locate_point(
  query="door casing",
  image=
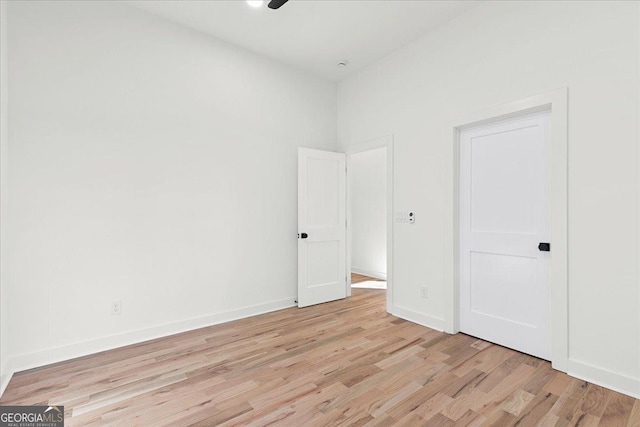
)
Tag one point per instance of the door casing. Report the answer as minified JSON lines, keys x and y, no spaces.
{"x":556,"y":102}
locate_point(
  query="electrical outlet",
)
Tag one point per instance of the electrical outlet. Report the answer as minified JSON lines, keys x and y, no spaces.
{"x":116,"y":307}
{"x":424,"y":292}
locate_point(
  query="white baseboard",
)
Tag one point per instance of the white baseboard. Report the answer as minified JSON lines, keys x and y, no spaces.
{"x":71,"y":351}
{"x":370,"y":273}
{"x":7,"y":373}
{"x":605,"y":378}
{"x":419,"y":318}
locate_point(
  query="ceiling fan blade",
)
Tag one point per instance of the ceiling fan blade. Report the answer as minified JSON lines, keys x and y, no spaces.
{"x":275,"y":4}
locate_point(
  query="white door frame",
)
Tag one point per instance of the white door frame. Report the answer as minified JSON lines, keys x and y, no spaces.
{"x":556,"y":101}
{"x":386,"y":141}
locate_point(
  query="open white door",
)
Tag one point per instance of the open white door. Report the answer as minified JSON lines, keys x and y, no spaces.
{"x":321,"y":226}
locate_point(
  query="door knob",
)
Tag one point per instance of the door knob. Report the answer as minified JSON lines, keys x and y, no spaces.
{"x":303,"y":235}
{"x":544,"y":247}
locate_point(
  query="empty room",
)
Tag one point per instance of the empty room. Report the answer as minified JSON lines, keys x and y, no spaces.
{"x":319,"y":213}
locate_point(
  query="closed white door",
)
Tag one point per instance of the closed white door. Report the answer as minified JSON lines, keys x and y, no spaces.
{"x":504,"y":233}
{"x":321,"y":226}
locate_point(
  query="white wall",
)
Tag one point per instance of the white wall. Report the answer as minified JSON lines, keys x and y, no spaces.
{"x":141,"y":153}
{"x":496,"y":53}
{"x":4,"y":190}
{"x":368,"y":199}
{"x":153,"y":165}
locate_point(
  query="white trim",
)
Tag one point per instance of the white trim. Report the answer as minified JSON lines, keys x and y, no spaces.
{"x":6,"y":378}
{"x":605,"y":378}
{"x":419,"y":318}
{"x":385,"y":141}
{"x":556,"y":100}
{"x":638,"y":199}
{"x":5,"y":372}
{"x":58,"y":354}
{"x":375,"y":274}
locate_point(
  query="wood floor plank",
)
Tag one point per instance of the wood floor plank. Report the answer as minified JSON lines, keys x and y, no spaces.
{"x":517,"y":402}
{"x":558,"y":384}
{"x":582,"y":419}
{"x":634,"y":418}
{"x":568,"y":403}
{"x":538,"y":410}
{"x":618,"y":410}
{"x":347,"y":362}
{"x":463,"y":404}
{"x":357,"y":278}
{"x":431,"y":407}
{"x":594,"y":400}
{"x":390,"y":401}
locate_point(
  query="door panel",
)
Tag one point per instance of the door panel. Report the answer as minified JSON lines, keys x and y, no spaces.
{"x":504,"y":215}
{"x":505,"y":295}
{"x":323,"y":264}
{"x":499,"y":204}
{"x":323,"y":183}
{"x":321,"y":217}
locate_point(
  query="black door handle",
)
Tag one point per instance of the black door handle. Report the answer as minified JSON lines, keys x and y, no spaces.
{"x":304,"y":235}
{"x":544,"y":247}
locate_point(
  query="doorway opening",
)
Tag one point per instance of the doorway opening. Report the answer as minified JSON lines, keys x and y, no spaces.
{"x":367,"y":218}
{"x":325,"y":224}
{"x":378,"y":152}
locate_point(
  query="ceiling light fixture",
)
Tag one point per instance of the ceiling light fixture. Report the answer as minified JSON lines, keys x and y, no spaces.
{"x":255,"y":3}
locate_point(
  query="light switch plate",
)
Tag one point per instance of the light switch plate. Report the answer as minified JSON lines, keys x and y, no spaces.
{"x":401,"y":216}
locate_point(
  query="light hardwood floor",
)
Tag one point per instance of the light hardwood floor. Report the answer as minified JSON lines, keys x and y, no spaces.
{"x":358,"y":278}
{"x":341,"y":363}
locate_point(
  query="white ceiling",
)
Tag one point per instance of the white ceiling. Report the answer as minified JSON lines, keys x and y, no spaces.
{"x":314,"y":35}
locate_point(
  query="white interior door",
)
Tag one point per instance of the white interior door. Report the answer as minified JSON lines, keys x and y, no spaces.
{"x":504,"y":217}
{"x":321,"y":226}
